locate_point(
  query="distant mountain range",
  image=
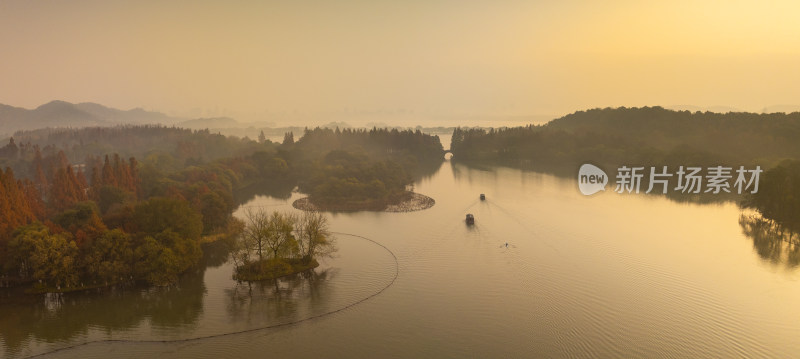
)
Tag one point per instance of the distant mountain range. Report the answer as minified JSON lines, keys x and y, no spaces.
{"x":65,"y":114}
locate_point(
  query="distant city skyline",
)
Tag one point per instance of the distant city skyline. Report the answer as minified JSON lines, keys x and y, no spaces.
{"x":425,"y":59}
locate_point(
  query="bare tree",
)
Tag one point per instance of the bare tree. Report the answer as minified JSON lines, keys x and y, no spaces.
{"x":314,"y":238}
{"x":255,"y":233}
{"x":285,"y":235}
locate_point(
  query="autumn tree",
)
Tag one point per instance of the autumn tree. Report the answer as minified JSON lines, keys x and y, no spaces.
{"x":34,"y":199}
{"x":14,"y":204}
{"x":108,"y":177}
{"x":82,"y":221}
{"x":66,"y":189}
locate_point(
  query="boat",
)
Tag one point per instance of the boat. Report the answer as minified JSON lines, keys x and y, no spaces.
{"x":470,"y":218}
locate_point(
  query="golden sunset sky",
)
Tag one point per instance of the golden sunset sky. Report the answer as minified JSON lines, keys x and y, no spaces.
{"x":498,"y":58}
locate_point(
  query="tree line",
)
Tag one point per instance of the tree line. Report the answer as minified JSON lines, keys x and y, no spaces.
{"x":637,"y":136}
{"x":111,"y":219}
{"x":76,"y":233}
{"x":172,"y":147}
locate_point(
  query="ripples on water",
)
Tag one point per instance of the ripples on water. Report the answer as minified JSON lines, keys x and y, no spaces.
{"x":603,"y":276}
{"x":209,"y":304}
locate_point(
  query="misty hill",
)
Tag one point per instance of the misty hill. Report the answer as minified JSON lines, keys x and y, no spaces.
{"x":65,"y":114}
{"x":639,"y":136}
{"x":171,"y":147}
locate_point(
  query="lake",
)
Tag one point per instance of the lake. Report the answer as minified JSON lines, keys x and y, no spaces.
{"x":609,"y":275}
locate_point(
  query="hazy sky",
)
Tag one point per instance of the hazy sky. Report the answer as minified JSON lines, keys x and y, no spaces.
{"x":443,"y":57}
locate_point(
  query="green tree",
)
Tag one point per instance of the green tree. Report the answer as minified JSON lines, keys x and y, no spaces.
{"x":48,"y":258}
{"x":778,"y":196}
{"x":156,"y":263}
{"x":188,"y":251}
{"x":288,"y":138}
{"x":158,"y":214}
{"x":214,"y":210}
{"x":109,"y":196}
{"x":110,"y":258}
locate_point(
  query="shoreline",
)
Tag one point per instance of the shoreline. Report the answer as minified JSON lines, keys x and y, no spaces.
{"x":415,"y":202}
{"x":257,"y":272}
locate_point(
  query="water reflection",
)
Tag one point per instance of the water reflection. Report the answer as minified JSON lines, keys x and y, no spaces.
{"x":277,"y":301}
{"x":610,"y":276}
{"x":172,"y":310}
{"x":276,"y":189}
{"x":216,"y":253}
{"x":477,"y":172}
{"x":426,"y":169}
{"x":771,"y":241}
{"x":64,"y":317}
{"x":282,"y":189}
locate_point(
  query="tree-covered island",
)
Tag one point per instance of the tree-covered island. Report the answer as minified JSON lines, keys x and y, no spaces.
{"x":353,"y":170}
{"x":278,"y":244}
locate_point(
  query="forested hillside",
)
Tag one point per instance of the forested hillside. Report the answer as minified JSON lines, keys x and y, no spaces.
{"x":647,"y":136}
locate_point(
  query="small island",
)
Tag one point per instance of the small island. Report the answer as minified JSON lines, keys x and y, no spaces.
{"x":278,"y":244}
{"x":359,"y":180}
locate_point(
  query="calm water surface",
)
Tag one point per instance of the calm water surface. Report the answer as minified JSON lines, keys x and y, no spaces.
{"x":603,"y":276}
